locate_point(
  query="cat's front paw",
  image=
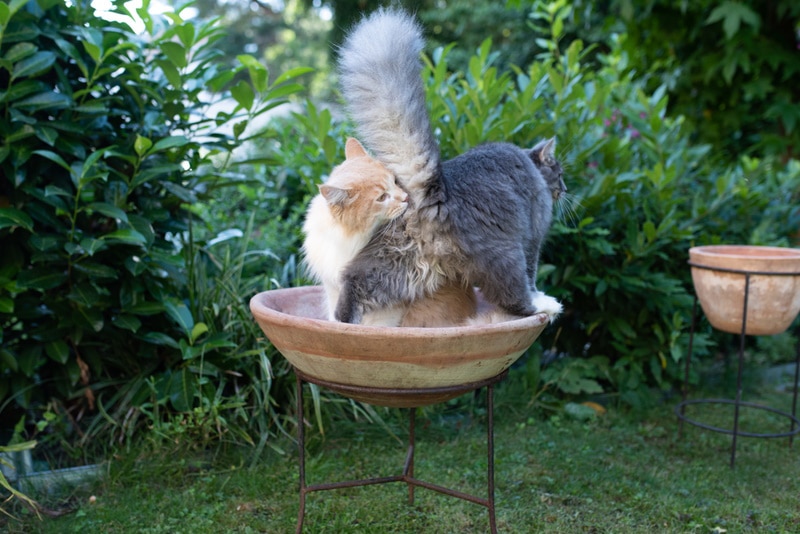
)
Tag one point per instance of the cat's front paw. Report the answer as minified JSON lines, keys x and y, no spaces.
{"x":546,"y":304}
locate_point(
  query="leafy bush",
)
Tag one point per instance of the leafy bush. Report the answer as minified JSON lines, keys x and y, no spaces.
{"x":107,"y":300}
{"x":642,"y":192}
{"x":730,"y":67}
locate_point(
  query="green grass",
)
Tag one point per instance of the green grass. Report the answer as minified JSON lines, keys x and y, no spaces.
{"x":619,"y":473}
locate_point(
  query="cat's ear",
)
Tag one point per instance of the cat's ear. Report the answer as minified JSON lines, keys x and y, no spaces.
{"x":547,"y":153}
{"x":354,"y":149}
{"x":334,"y":196}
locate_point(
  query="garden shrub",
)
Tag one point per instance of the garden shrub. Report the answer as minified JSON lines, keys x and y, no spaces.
{"x":110,"y":145}
{"x":133,"y":236}
{"x":642,"y":194}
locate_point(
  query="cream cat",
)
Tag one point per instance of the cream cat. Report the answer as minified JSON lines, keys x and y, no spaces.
{"x":359,"y":196}
{"x":358,"y":199}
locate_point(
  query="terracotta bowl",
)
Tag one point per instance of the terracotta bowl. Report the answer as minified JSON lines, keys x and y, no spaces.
{"x":773,"y":299}
{"x":385,"y":357}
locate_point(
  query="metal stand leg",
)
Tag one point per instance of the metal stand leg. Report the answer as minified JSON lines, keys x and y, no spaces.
{"x":490,"y":459}
{"x":739,"y":371}
{"x":794,"y":395}
{"x":685,"y":389}
{"x":408,"y":469}
{"x":301,"y":450}
{"x":680,"y":409}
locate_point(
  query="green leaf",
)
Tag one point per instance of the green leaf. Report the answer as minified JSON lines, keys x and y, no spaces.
{"x":186,"y":33}
{"x":46,"y":242}
{"x":159,"y":338}
{"x":26,"y":130}
{"x":6,"y":305}
{"x":92,"y":316}
{"x":146,"y":308}
{"x":46,"y":100}
{"x":109,"y":210}
{"x":127,"y":236}
{"x":180,"y":313}
{"x":10,"y":217}
{"x":581,"y":385}
{"x":19,"y":51}
{"x":92,"y":245}
{"x":153,"y":172}
{"x":8,"y":360}
{"x":292,"y":73}
{"x":41,"y":278}
{"x":58,"y":351}
{"x":55,"y":191}
{"x":95,"y":270}
{"x":249,"y":61}
{"x":169,"y":142}
{"x":92,"y":107}
{"x":180,"y":192}
{"x":198,"y":330}
{"x":127,"y":322}
{"x":732,"y":14}
{"x":175,"y":52}
{"x":171,"y":73}
{"x":142,"y":145}
{"x":92,"y":49}
{"x":144,"y":226}
{"x":23,"y":89}
{"x":84,"y":294}
{"x":284,"y":90}
{"x":48,"y":135}
{"x":34,"y":65}
{"x":239,"y":128}
{"x":182,"y":390}
{"x":649,"y":230}
{"x":243,"y":94}
{"x":52,"y":156}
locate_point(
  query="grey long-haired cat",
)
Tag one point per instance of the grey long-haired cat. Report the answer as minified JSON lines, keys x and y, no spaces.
{"x":479,"y":219}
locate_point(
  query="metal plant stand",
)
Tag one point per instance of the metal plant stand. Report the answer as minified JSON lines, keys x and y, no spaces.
{"x":407,"y":475}
{"x":680,"y":409}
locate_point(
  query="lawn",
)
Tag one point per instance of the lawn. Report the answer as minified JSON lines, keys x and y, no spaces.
{"x":618,"y":472}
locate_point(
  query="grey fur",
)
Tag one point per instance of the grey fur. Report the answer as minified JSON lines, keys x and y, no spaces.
{"x":478,"y":219}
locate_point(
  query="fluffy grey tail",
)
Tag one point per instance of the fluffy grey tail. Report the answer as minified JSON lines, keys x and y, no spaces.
{"x":379,"y":70}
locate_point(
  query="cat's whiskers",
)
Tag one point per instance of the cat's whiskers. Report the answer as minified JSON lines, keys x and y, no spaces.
{"x":567,"y":209}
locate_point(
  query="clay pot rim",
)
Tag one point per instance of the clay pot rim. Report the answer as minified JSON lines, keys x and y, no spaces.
{"x":280,"y":318}
{"x":739,"y":252}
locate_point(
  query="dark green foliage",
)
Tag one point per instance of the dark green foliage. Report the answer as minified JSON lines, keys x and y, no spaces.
{"x":132,"y":236}
{"x":107,"y":300}
{"x":732,"y":67}
{"x":642,"y":194}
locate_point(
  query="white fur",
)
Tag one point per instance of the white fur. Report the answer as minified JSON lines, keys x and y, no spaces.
{"x":328,"y":249}
{"x":543,"y":303}
{"x":546,"y":304}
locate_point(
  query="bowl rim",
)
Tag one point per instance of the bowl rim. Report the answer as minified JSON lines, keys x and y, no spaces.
{"x":730,"y":251}
{"x":280,"y":318}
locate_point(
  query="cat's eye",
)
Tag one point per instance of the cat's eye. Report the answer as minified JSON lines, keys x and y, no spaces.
{"x":383,"y":197}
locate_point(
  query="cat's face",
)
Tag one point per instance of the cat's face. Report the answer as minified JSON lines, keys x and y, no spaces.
{"x":545,"y":160}
{"x":361,"y":193}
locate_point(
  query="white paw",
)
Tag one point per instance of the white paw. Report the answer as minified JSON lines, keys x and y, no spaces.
{"x":546,"y":304}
